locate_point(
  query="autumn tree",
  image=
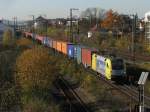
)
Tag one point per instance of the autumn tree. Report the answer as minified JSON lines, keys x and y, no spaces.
{"x":35,"y":69}
{"x":111,"y":20}
{"x":8,"y":38}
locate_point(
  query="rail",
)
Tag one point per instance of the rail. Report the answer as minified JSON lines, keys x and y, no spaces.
{"x":76,"y":102}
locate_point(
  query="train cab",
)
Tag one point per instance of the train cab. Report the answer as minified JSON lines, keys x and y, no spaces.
{"x":115,"y":68}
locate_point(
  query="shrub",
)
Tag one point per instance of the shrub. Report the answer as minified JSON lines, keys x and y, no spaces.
{"x":10,"y":97}
{"x":122,"y":44}
{"x":23,"y":42}
{"x":148,"y":86}
{"x":37,"y":105}
{"x":36,"y":69}
{"x":8,"y":38}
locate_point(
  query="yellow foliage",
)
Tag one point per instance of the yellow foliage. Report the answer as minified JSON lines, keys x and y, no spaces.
{"x":87,"y":82}
{"x":122,"y":44}
{"x":111,"y":19}
{"x":8,"y":38}
{"x":35,"y":69}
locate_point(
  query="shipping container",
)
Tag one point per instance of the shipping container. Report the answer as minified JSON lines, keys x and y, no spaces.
{"x":79,"y":59}
{"x":59,"y":46}
{"x":28,"y":34}
{"x":70,"y":50}
{"x":46,"y":41}
{"x":94,"y":59}
{"x":50,"y":43}
{"x":100,"y":65}
{"x":86,"y":56}
{"x":64,"y":47}
{"x":39,"y":38}
{"x":75,"y":51}
{"x":54,"y":44}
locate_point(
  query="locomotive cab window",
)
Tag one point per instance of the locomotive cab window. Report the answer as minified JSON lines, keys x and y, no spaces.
{"x":117,"y":64}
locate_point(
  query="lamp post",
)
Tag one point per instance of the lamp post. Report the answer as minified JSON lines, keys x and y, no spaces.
{"x":71,"y":25}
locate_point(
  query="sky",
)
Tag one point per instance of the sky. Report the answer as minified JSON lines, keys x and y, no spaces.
{"x":60,"y":8}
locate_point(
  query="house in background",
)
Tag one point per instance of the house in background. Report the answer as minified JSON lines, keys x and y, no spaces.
{"x":147,"y":25}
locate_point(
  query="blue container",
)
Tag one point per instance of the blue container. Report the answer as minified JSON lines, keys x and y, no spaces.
{"x":75,"y":51}
{"x":79,"y":57}
{"x":70,"y":50}
{"x":45,"y":41}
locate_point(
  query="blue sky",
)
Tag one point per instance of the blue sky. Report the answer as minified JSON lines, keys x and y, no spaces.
{"x":60,"y":8}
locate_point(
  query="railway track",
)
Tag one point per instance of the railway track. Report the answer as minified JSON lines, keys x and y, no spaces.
{"x":127,"y":90}
{"x":74,"y":98}
{"x":76,"y":103}
{"x":135,"y":57}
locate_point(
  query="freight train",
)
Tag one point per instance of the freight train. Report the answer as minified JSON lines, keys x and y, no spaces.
{"x":110,"y":67}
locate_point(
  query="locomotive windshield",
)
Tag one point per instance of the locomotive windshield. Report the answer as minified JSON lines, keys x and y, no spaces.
{"x":117,"y":64}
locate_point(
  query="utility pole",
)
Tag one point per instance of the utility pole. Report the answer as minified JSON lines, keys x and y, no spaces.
{"x":71,"y":30}
{"x":46,"y":20}
{"x":71,"y":25}
{"x":134,"y":21}
{"x":33,"y":20}
{"x":96,"y":19}
{"x":46,"y":27}
{"x":90,"y":21}
{"x":15,"y":24}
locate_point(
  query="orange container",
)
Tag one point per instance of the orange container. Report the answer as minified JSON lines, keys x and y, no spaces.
{"x":64,"y":48}
{"x":59,"y":46}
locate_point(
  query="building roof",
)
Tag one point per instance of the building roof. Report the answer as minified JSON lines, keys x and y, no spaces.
{"x":40,"y":18}
{"x":147,"y":17}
